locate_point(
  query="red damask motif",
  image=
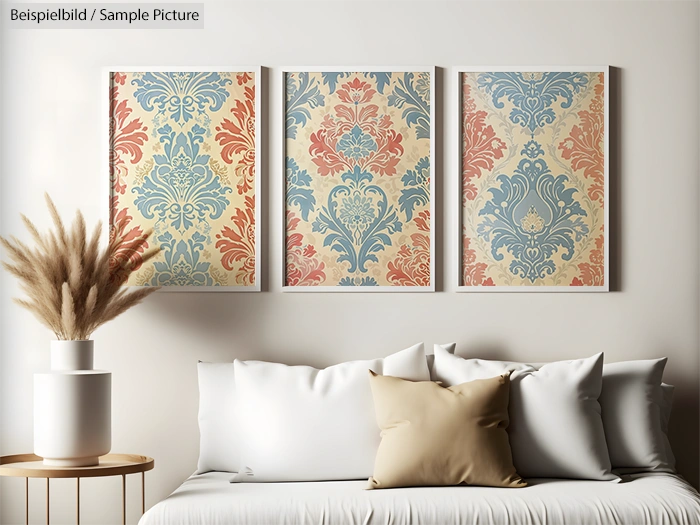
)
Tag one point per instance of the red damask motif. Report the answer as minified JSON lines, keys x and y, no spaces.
{"x":472,"y":271}
{"x":422,"y":220}
{"x":239,"y":138}
{"x":600,"y":86}
{"x":480,"y":145}
{"x":303,"y":267}
{"x":593,"y":272}
{"x":126,"y":244}
{"x":412,"y":264}
{"x":584,"y":145}
{"x":385,"y":149}
{"x":243,"y":78}
{"x":356,"y":92}
{"x":238,"y":243}
{"x":126,"y":138}
{"x":119,"y":78}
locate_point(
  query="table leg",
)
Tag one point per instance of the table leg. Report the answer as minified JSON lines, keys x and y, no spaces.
{"x":26,"y":500}
{"x":77,"y":501}
{"x":47,"y":502}
{"x":143,"y":493}
{"x":123,"y":499}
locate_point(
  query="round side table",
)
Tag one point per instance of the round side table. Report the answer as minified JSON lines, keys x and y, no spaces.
{"x":31,"y":466}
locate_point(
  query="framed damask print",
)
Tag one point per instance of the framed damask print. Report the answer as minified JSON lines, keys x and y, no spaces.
{"x":359,"y":185}
{"x":184,"y":161}
{"x":533,"y":185}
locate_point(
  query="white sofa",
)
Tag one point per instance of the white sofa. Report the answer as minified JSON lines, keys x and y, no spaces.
{"x":214,"y":497}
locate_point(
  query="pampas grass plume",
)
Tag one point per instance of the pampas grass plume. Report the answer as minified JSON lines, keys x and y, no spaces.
{"x":68,"y":281}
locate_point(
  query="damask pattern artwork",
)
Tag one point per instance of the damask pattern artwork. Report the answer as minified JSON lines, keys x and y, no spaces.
{"x":183,"y":162}
{"x":358,"y":194}
{"x":533,"y":181}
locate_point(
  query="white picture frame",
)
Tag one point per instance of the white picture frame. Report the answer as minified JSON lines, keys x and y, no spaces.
{"x":259,"y":87}
{"x":458,"y":184}
{"x":284,"y":71}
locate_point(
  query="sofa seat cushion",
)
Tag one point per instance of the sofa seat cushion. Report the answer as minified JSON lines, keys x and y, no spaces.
{"x":650,"y":498}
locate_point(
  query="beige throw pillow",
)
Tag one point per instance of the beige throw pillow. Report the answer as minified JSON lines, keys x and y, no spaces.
{"x":433,"y":435}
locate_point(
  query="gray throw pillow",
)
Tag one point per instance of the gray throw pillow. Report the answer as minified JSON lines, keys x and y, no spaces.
{"x":635,"y":409}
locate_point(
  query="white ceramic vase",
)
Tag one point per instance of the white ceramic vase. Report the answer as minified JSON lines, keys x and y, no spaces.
{"x":72,"y":407}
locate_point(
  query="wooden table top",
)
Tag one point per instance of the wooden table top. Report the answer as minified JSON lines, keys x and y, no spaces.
{"x":32,"y":466}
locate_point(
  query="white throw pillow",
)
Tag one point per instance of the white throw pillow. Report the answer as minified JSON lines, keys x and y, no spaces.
{"x":555,"y":430}
{"x":218,"y":447}
{"x":633,"y":404}
{"x":298,"y":423}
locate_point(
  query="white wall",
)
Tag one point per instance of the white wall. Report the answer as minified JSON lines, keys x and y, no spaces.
{"x":51,"y":128}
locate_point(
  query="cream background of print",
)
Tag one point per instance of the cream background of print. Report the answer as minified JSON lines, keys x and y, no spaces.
{"x":547,"y":138}
{"x":414,"y":148}
{"x":227,"y":181}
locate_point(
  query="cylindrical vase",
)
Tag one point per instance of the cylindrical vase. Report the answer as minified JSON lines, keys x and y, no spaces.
{"x":72,"y":407}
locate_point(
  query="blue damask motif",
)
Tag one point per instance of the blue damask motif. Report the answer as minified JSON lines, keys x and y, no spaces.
{"x":358,"y":281}
{"x":359,"y":228}
{"x":331,"y":79}
{"x":182,"y":266}
{"x":181,"y":188}
{"x":413,"y":96}
{"x":382,"y":79}
{"x":533,"y":215}
{"x":181,"y":94}
{"x":356,"y":213}
{"x":416,"y":190}
{"x":299,"y":189}
{"x":304,"y":92}
{"x":532,"y":149}
{"x":532,"y":94}
{"x":356,"y":144}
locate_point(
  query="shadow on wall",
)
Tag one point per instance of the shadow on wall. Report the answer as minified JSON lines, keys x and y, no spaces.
{"x":264,"y":197}
{"x":684,"y":432}
{"x":438,"y":156}
{"x":614,"y":203}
